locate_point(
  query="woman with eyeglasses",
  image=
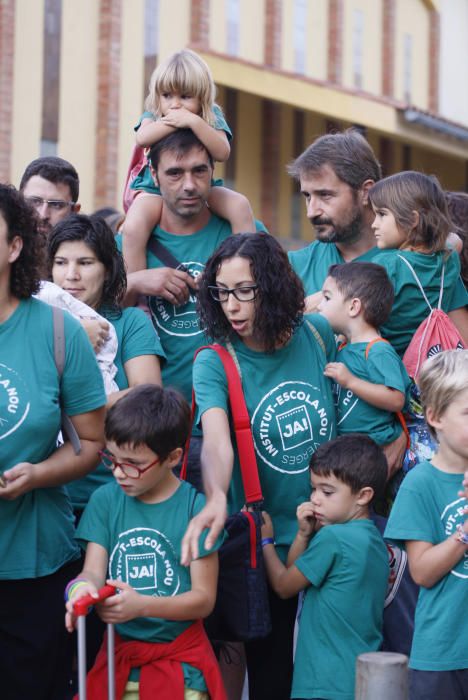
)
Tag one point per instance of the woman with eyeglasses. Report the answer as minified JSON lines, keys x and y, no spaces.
{"x":84,"y":260}
{"x":38,"y":553}
{"x":251,"y":301}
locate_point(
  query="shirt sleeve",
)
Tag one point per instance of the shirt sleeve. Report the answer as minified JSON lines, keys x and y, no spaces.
{"x":325,"y":332}
{"x":411,"y":517}
{"x":320,"y":557}
{"x":385,"y":367}
{"x":94,"y":523}
{"x":82,"y":388}
{"x":140,"y":337}
{"x":209,"y":383}
{"x":145,"y":115}
{"x":220,"y":122}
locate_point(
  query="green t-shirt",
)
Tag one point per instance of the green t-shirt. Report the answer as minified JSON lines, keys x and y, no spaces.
{"x":383,"y":366}
{"x":428,"y":509}
{"x":290,"y":405}
{"x":143,"y":541}
{"x":311,"y":263}
{"x":342,"y":615}
{"x":136,"y":336}
{"x":144,"y":180}
{"x":37,"y":532}
{"x":409,"y":308}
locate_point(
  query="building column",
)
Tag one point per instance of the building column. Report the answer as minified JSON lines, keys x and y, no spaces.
{"x":7,"y":41}
{"x":335,"y":40}
{"x":434,"y":50}
{"x":108,"y":87}
{"x":200,"y":23}
{"x":270,"y":154}
{"x":388,"y":47}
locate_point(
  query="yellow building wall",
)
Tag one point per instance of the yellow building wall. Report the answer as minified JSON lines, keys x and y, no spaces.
{"x":412,"y":18}
{"x":450,"y":172}
{"x":26,"y":124}
{"x":252,"y":30}
{"x":174,"y":22}
{"x":371,"y":44}
{"x":78,"y":89}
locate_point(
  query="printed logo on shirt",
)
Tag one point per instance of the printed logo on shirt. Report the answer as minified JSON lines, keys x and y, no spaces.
{"x":345,"y":402}
{"x":453,"y":515}
{"x":145,"y":559}
{"x":14,"y":401}
{"x":288,"y":425}
{"x":178,"y":320}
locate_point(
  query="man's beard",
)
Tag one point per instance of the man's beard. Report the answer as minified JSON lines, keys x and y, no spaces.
{"x":350,"y":233}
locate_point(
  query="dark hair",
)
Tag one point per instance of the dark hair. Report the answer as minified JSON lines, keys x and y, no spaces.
{"x":280,"y":300}
{"x":410,"y":191}
{"x":457,"y":203}
{"x":180,"y":142}
{"x":152,"y":416}
{"x":370,"y":284}
{"x":56,"y":170}
{"x":355,"y":459}
{"x":93,"y":231}
{"x":20,"y":219}
{"x":348,"y":154}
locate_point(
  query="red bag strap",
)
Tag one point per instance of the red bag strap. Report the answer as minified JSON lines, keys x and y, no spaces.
{"x":242,"y":429}
{"x":399,"y":414}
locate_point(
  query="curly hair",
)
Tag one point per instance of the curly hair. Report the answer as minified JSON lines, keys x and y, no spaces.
{"x":21,"y":221}
{"x":97,"y":235}
{"x":279,"y":305}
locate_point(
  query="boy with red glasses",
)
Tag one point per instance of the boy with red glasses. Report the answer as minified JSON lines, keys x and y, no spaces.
{"x":132,"y":529}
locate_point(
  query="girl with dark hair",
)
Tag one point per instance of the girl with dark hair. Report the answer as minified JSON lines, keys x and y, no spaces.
{"x":38,"y":553}
{"x":83,"y":259}
{"x":251,"y":300}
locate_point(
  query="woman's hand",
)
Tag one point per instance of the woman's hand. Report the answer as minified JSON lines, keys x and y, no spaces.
{"x":17,"y":481}
{"x":212,"y":516}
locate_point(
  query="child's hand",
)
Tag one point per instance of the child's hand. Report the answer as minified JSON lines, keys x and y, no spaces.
{"x":123,"y":606}
{"x":85,"y":589}
{"x":179,"y":118}
{"x":306,"y":519}
{"x":339,"y":373}
{"x":267,"y":527}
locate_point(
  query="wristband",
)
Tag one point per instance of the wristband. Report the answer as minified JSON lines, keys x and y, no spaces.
{"x":461,"y":535}
{"x":267,"y":540}
{"x":72,"y":586}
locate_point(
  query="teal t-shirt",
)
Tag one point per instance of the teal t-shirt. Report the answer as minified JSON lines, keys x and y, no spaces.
{"x":290,"y":405}
{"x":37,"y":531}
{"x":409,"y":307}
{"x":342,"y":615}
{"x":144,"y":180}
{"x":383,"y":366}
{"x":136,"y":336}
{"x":311,"y":263}
{"x":143,"y":541}
{"x":428,"y":509}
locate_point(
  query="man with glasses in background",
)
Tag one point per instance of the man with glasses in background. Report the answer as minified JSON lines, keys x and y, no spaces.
{"x":51,"y":185}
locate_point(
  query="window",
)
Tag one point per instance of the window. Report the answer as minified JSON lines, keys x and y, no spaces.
{"x":299,"y":42}
{"x":407,"y":67}
{"x":358,"y":40}
{"x":232,"y":13}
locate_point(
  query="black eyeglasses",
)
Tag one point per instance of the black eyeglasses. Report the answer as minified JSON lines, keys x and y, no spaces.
{"x":130,"y":470}
{"x":54,"y":204}
{"x":221,"y":294}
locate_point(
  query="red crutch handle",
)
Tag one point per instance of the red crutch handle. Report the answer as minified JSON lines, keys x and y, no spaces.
{"x":82,"y":605}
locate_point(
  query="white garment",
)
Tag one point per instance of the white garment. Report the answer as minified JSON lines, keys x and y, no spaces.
{"x":52,"y":294}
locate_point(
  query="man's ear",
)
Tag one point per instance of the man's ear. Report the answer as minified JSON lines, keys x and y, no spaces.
{"x":154,"y":175}
{"x":364,"y":190}
{"x":76,"y":208}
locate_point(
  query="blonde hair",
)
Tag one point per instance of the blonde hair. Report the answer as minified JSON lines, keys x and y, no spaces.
{"x":441,"y":379}
{"x":183,"y":72}
{"x":409,"y":192}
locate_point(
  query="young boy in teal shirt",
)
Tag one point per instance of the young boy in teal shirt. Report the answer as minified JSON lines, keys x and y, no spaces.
{"x":370,"y":378}
{"x":339,"y":558}
{"x":132,"y":529}
{"x":429,"y":518}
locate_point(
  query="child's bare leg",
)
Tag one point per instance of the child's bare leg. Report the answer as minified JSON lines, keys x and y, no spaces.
{"x":142,"y":217}
{"x":233,"y":667}
{"x":234,"y":207}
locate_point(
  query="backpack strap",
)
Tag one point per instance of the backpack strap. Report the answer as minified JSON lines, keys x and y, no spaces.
{"x":317,"y":336}
{"x":164,"y":255}
{"x":418,"y":282}
{"x":59,"y":359}
{"x":241,"y":419}
{"x":399,"y":414}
